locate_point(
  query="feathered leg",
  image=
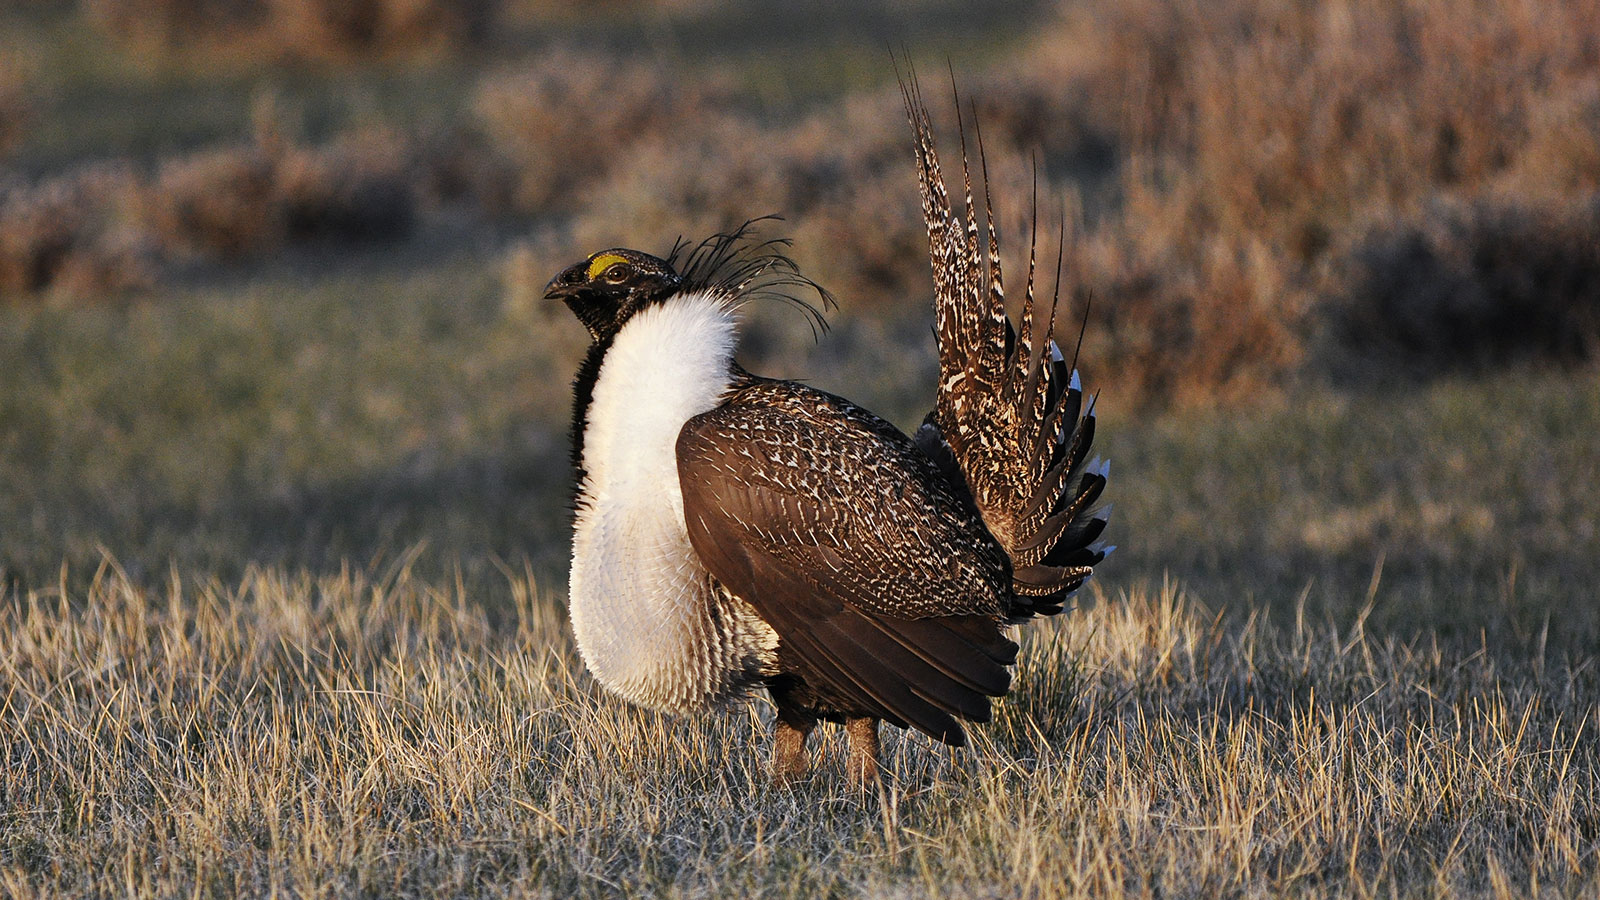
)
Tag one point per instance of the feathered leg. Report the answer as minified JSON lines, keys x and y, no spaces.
{"x":861,"y":767}
{"x":789,"y":759}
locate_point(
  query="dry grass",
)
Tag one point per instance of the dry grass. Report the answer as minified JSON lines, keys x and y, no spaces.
{"x":1255,"y":189}
{"x":371,"y":734}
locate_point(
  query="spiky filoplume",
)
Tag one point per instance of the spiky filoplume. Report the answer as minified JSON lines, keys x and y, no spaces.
{"x":736,"y":532}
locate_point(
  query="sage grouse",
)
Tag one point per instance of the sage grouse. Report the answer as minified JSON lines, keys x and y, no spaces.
{"x":734,"y":532}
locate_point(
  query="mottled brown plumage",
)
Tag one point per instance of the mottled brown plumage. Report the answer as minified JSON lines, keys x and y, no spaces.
{"x":1006,"y":410}
{"x":858,"y":574}
{"x":881,"y":581}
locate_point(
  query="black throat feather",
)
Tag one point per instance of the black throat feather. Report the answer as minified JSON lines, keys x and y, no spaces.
{"x":582,"y":398}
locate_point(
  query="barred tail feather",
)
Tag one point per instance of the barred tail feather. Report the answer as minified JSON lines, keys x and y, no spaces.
{"x":1009,"y":419}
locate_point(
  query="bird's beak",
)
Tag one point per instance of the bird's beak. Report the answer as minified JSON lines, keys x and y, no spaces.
{"x":566,"y":283}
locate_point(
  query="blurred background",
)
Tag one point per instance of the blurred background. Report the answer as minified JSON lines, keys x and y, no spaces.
{"x":270,"y":272}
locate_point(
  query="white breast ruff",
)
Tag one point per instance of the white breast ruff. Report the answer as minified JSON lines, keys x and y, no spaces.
{"x":647,"y":620}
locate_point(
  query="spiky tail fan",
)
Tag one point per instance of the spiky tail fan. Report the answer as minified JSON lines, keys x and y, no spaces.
{"x":1009,"y":416}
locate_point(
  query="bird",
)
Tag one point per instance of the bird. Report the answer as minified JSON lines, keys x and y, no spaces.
{"x":735,"y":534}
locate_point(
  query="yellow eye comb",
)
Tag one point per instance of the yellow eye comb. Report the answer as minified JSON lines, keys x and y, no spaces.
{"x":602,"y":262}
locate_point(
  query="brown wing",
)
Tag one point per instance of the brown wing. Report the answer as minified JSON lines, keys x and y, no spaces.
{"x":882,"y":583}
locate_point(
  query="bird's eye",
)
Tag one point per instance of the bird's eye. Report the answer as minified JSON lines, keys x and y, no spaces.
{"x":617,"y":273}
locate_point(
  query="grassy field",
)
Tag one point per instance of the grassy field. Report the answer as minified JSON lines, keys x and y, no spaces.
{"x":372,"y":734}
{"x":283,"y":507}
{"x":1346,"y":647}
{"x":212,"y":431}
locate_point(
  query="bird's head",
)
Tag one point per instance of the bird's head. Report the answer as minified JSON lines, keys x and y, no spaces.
{"x":609,"y":287}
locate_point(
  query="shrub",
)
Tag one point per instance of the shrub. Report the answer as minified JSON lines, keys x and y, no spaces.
{"x":344,"y":29}
{"x":563,"y":120}
{"x":252,"y":199}
{"x":304,"y":29}
{"x":99,"y":229}
{"x":1224,"y":154}
{"x":842,"y":181}
{"x":1469,"y":284}
{"x":1248,"y":140}
{"x":357,"y":188}
{"x":1181,"y":325}
{"x":224,"y":202}
{"x":1562,"y":153}
{"x":547,"y":12}
{"x":455,"y":166}
{"x":167,"y":26}
{"x":71,"y":234}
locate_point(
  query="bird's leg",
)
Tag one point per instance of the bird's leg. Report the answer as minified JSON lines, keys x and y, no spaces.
{"x":861,"y":767}
{"x":789,"y":760}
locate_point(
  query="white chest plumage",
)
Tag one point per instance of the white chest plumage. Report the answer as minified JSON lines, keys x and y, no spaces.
{"x":648,"y":621}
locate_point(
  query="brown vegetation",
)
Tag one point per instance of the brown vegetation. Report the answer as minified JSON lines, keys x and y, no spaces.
{"x":1239,"y":171}
{"x":1465,"y":285}
{"x":840,"y":179}
{"x":1261,"y":141}
{"x":1256,"y":189}
{"x":565,"y":119}
{"x":296,"y":29}
{"x":16,"y":108}
{"x":172,"y":25}
{"x":252,"y":199}
{"x":222,"y":201}
{"x":102,"y":229}
{"x":341,"y":29}
{"x":372,"y":733}
{"x":70,"y":234}
{"x":1390,"y":694}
